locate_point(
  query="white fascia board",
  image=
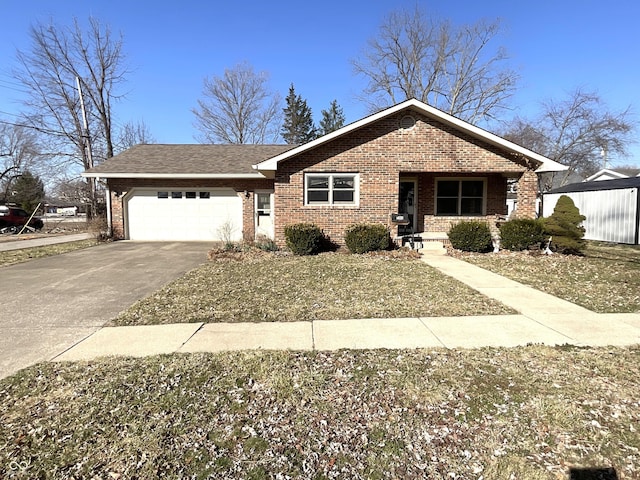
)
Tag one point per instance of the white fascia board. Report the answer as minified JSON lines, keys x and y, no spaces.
{"x":187,"y":176}
{"x":604,"y":171}
{"x":548,"y":165}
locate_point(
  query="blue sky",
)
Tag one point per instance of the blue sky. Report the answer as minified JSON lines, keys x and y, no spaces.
{"x":171,"y":46}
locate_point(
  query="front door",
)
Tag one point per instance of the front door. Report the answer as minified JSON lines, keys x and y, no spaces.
{"x":407,"y":203}
{"x":264,"y":214}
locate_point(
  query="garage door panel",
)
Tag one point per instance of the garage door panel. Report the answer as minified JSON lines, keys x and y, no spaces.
{"x":153,"y":218}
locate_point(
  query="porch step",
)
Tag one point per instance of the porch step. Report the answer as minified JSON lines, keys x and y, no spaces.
{"x":433,"y":247}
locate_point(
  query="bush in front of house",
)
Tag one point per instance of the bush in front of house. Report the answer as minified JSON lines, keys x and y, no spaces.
{"x":367,"y":237}
{"x":470,"y":236}
{"x":303,"y":238}
{"x":564,"y":226}
{"x":521,"y":234}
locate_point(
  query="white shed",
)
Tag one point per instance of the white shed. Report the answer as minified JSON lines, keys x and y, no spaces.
{"x":612,"y":208}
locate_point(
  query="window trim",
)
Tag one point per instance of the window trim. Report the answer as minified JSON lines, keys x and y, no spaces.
{"x":460,"y":197}
{"x":330,"y":190}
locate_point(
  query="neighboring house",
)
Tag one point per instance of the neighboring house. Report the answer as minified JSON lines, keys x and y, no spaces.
{"x":613,"y":174}
{"x":410,"y":158}
{"x":611,"y":208}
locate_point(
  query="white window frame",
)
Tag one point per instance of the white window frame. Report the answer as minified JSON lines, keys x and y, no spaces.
{"x":330,"y":190}
{"x":459,"y":205}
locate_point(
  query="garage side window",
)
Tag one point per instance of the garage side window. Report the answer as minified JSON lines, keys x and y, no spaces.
{"x":331,"y":189}
{"x":460,"y":197}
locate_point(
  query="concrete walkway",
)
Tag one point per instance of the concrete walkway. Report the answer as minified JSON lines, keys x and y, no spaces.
{"x":541,"y":319}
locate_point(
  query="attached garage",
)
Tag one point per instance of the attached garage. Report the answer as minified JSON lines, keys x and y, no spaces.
{"x":172,"y":213}
{"x":158,"y":192}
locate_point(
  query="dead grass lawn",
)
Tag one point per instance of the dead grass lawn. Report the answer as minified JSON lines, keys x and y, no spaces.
{"x":272,"y":288}
{"x":526,"y":413}
{"x":25,"y":254}
{"x":605,"y":280}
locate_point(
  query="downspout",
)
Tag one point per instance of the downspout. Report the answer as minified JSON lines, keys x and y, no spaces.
{"x":637,"y":239}
{"x":107,"y":199}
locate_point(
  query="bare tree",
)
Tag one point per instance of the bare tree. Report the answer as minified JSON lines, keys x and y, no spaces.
{"x":134,"y":133}
{"x":579,"y":132}
{"x":449,"y":67}
{"x":19,"y":152}
{"x":238,"y":108}
{"x":59,"y":57}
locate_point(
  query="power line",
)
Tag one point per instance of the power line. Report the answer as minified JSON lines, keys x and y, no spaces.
{"x":38,"y":129}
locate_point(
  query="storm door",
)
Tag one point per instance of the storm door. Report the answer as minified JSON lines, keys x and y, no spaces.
{"x":408,"y":203}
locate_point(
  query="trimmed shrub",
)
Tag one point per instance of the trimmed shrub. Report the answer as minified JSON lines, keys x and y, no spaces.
{"x":367,"y":237}
{"x":266,"y":244}
{"x":303,"y":238}
{"x":564,"y":227}
{"x":471,"y":236}
{"x":521,"y":234}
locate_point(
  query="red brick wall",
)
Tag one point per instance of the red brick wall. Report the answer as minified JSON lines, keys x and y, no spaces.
{"x":527,"y":194}
{"x":381,"y":153}
{"x":122,"y":186}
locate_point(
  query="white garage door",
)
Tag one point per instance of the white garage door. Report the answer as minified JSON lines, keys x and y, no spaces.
{"x":181,"y":214}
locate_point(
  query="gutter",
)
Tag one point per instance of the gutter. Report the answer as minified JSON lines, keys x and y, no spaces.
{"x":173,"y":176}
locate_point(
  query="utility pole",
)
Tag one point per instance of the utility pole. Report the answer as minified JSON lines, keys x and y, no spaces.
{"x":87,"y":152}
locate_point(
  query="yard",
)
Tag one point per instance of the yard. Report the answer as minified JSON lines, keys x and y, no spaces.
{"x":11,"y":257}
{"x":532,"y":412}
{"x":270,"y":288}
{"x":605,"y":280}
{"x":527,"y":413}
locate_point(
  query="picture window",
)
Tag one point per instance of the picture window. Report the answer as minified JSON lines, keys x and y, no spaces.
{"x":460,"y":197}
{"x":331,"y":189}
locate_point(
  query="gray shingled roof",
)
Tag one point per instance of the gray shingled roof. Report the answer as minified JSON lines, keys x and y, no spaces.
{"x":158,"y":159}
{"x":632,"y":182}
{"x":629,"y":172}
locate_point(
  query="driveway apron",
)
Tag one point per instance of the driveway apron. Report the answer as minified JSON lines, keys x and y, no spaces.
{"x":50,"y":304}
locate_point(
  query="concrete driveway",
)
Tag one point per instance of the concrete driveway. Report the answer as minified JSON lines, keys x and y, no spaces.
{"x":48,"y":305}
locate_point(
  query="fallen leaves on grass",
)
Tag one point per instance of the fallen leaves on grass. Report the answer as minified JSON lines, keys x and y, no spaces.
{"x":526,"y":413}
{"x":274,"y":288}
{"x":11,"y":257}
{"x":605,"y":280}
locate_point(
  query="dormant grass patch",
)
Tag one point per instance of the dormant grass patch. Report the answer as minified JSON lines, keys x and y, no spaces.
{"x":25,"y":254}
{"x":606,"y":279}
{"x":276,"y":288}
{"x":528,"y":413}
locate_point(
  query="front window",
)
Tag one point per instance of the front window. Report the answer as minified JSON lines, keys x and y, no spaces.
{"x":460,"y":197}
{"x":331,"y":189}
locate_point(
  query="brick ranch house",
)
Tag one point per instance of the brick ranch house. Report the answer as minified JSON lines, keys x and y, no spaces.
{"x":410,"y":158}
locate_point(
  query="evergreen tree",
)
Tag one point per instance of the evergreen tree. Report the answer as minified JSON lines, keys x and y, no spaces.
{"x":298,"y":123}
{"x":332,"y":119}
{"x":565,"y":227}
{"x":27,"y":191}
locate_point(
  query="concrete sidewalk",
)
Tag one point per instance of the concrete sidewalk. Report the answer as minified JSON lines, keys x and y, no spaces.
{"x":541,"y":319}
{"x":19,"y":244}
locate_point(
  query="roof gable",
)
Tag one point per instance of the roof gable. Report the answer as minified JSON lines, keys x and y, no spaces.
{"x":613,"y":173}
{"x":545,"y":164}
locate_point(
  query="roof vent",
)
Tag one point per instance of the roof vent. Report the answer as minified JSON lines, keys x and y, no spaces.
{"x":407,"y":122}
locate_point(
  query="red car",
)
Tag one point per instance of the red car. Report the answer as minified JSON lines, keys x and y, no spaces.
{"x":12,"y":218}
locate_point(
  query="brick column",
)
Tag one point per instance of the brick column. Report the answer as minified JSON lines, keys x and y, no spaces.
{"x":527,"y":195}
